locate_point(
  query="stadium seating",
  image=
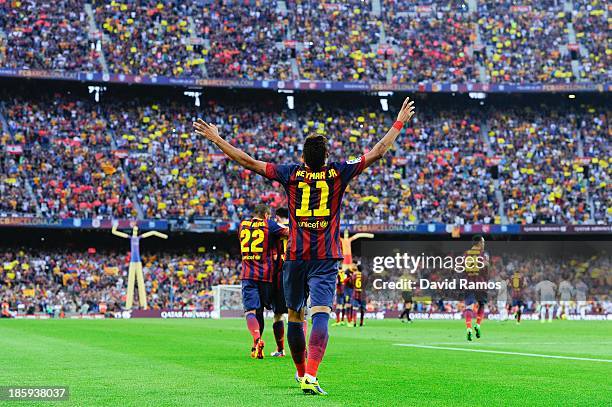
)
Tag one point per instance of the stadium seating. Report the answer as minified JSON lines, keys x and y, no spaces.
{"x":401,"y":42}
{"x":67,"y":162}
{"x":430,"y":47}
{"x":76,"y":282}
{"x":126,"y":157}
{"x":48,"y":36}
{"x":52,"y":281}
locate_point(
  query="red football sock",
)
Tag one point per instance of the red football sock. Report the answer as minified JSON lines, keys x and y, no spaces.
{"x":253,"y":326}
{"x":317,"y":343}
{"x":480,"y":315}
{"x":468,"y":318}
{"x":337,"y":315}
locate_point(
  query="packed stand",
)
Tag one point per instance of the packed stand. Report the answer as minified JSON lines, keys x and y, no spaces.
{"x":91,"y":161}
{"x":338,"y":41}
{"x":14,"y":198}
{"x":47,"y":35}
{"x":592,"y":27}
{"x":65,"y":281}
{"x":178,"y":174}
{"x":524,"y":45}
{"x":246,"y":40}
{"x":59,"y":282}
{"x":149,"y":38}
{"x":408,"y":42}
{"x":67,"y":159}
{"x":444,"y":147}
{"x":541,"y":179}
{"x":595,"y":131}
{"x":432,"y":46}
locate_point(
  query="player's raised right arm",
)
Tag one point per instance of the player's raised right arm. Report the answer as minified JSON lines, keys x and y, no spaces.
{"x":211,"y":132}
{"x":383,"y":145}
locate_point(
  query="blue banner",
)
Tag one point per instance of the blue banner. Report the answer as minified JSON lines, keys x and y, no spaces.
{"x":210,"y":225}
{"x":75,"y":223}
{"x":306,"y":85}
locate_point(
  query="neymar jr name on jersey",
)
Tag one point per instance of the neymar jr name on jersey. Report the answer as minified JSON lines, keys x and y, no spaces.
{"x":316,"y":176}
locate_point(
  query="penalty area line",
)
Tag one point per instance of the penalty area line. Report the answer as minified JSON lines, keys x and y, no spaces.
{"x":500,"y":352}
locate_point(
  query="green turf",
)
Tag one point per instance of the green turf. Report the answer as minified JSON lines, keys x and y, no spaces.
{"x":206,"y":363}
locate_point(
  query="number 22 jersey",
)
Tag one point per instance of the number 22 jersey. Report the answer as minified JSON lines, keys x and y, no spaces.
{"x":314,"y":200}
{"x":258,"y":241}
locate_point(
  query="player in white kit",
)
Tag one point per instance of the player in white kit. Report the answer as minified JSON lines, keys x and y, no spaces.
{"x":502,"y":298}
{"x":566,"y":291}
{"x":547,"y":293}
{"x":581,"y":291}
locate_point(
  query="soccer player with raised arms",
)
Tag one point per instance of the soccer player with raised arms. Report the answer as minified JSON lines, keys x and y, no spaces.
{"x":314,"y":191}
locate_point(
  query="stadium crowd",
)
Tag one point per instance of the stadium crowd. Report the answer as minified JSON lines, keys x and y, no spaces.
{"x":403,"y":42}
{"x":122,"y":159}
{"x":339,"y":41}
{"x":91,"y":282}
{"x":67,"y":162}
{"x":430,"y":47}
{"x":524,"y":46}
{"x":44,"y":35}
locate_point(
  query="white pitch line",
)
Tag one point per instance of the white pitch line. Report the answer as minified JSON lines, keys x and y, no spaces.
{"x":501,"y":352}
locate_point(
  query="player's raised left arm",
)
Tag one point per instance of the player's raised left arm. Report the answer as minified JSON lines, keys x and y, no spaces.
{"x":154,"y":233}
{"x":383,"y":145}
{"x":211,"y":132}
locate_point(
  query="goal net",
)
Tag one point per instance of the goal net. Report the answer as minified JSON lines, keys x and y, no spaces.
{"x":227,"y":301}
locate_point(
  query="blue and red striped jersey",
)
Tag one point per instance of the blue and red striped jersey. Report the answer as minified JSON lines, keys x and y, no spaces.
{"x":258,"y":242}
{"x":314,"y":200}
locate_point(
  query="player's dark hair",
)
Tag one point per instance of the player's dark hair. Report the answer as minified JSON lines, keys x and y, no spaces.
{"x":315,"y":151}
{"x":261,"y":211}
{"x":282,"y":212}
{"x":477,"y":238}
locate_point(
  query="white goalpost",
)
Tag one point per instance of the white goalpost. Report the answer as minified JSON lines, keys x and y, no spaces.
{"x":227,"y":301}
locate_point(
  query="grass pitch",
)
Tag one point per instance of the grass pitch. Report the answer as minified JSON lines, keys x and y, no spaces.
{"x":206,"y":363}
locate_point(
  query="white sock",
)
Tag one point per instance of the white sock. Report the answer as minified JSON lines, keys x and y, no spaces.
{"x":550,"y":314}
{"x":310,"y":378}
{"x":542,"y":313}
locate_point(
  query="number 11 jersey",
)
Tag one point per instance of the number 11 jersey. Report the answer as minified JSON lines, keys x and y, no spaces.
{"x":314,"y":200}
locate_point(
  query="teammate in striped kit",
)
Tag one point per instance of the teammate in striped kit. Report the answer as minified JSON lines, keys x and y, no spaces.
{"x":358,"y":300}
{"x":476,"y":270}
{"x":314,"y":190}
{"x":279,"y":306}
{"x":258,"y":242}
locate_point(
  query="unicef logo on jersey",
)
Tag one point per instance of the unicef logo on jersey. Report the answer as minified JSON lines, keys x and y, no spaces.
{"x":318,"y":224}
